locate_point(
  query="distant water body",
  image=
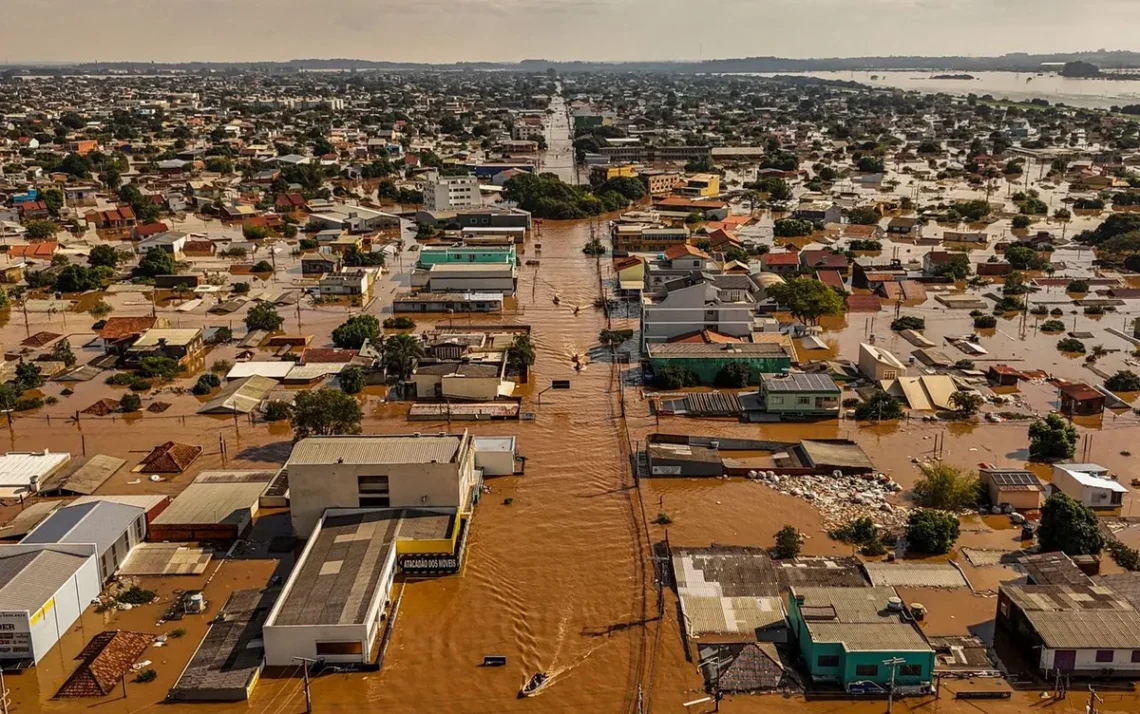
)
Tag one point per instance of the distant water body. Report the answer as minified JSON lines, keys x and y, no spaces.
{"x":1015,"y":86}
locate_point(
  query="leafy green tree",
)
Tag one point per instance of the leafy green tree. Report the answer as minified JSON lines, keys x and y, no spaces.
{"x":76,"y":166}
{"x":871,"y":165}
{"x":521,"y":354}
{"x":958,"y":267}
{"x":159,"y":367}
{"x":1077,"y":286}
{"x":931,"y":532}
{"x":864,"y":216}
{"x":156,"y":262}
{"x":1117,"y":224}
{"x":355,"y":258}
{"x":262,"y":266}
{"x":1052,"y":326}
{"x":130,"y":403}
{"x":354,"y":332}
{"x":53,"y":197}
{"x":277,"y":410}
{"x":807,"y":299}
{"x":908,"y":322}
{"x":675,"y":377}
{"x":788,"y":541}
{"x":946,"y":488}
{"x":220,"y":165}
{"x":401,"y":354}
{"x":1024,"y":258}
{"x":777,"y":189}
{"x":325,"y":412}
{"x":1123,"y":381}
{"x":1068,"y":526}
{"x":103,"y":254}
{"x":971,"y":211}
{"x":630,"y":188}
{"x":28,"y":376}
{"x":985,"y":322}
{"x":9,"y":395}
{"x":263,"y":316}
{"x":1071,"y":345}
{"x":733,"y":375}
{"x":793,"y":228}
{"x":76,"y":279}
{"x":614,"y":338}
{"x":1052,"y":438}
{"x":351,"y":380}
{"x":1022,"y":221}
{"x":880,"y":406}
{"x":860,"y":531}
{"x":61,"y":352}
{"x":40,"y":230}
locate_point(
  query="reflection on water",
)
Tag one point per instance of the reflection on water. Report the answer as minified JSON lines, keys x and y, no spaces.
{"x":1016,"y":86}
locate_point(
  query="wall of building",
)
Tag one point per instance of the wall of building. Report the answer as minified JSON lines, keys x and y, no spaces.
{"x":1086,"y":661}
{"x":47,"y":625}
{"x":482,"y":389}
{"x":444,"y":284}
{"x":707,"y":369}
{"x":315,"y":488}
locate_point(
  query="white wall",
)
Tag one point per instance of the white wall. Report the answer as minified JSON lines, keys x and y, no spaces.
{"x":1086,"y":661}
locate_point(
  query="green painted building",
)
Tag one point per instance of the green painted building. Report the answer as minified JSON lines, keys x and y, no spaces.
{"x":443,"y":254}
{"x":847,"y":634}
{"x":707,"y":360}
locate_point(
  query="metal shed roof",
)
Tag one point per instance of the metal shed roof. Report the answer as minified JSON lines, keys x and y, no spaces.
{"x":98,"y":522}
{"x":30,"y":579}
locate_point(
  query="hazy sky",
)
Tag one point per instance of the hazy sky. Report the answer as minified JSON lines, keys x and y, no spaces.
{"x":452,"y":30}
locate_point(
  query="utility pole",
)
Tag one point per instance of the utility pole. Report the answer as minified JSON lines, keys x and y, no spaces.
{"x":3,"y":693}
{"x":305,"y":670}
{"x":893,"y":663}
{"x":1089,"y":709}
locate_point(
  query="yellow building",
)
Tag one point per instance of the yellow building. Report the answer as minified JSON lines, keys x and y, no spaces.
{"x":701,"y":185}
{"x":601,"y":174}
{"x":631,"y":273}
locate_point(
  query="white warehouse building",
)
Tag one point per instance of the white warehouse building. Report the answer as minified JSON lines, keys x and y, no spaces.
{"x":335,"y":599}
{"x":43,"y":591}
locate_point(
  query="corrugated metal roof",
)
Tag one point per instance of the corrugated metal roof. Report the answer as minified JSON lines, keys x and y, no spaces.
{"x":272,"y":370}
{"x":31,"y":581}
{"x":376,"y":450}
{"x":240,"y":396}
{"x":98,"y":522}
{"x":1088,"y":629}
{"x":924,"y":575}
{"x":210,"y":503}
{"x":867,"y":637}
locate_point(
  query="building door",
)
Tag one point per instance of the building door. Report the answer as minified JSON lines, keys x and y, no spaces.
{"x":1065,"y":660}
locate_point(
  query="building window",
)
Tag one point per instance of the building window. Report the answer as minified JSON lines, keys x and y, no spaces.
{"x":827,"y":661}
{"x":340,"y":648}
{"x":866,"y":670}
{"x":1135,"y":656}
{"x":1104,"y":655}
{"x":910,"y":670}
{"x":803,"y":401}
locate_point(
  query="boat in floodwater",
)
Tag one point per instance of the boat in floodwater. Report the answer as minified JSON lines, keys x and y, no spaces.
{"x":534,"y":685}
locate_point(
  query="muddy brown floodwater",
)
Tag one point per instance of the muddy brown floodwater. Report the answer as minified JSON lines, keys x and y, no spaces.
{"x":559,"y":580}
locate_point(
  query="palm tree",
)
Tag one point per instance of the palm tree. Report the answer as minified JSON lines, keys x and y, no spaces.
{"x":966,"y":403}
{"x":401,"y":353}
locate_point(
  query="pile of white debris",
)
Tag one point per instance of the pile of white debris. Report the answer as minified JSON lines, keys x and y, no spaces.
{"x":841,"y":499}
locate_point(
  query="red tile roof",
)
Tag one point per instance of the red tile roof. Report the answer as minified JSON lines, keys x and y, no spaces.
{"x":830,"y":278}
{"x":780,"y":259}
{"x":679,"y":251}
{"x":705,"y":337}
{"x":171,"y":457}
{"x":864,"y":303}
{"x":106,"y":659}
{"x":116,"y":328}
{"x":151,"y":229}
{"x":42,"y":249}
{"x":327,"y":356}
{"x":1080,"y":392}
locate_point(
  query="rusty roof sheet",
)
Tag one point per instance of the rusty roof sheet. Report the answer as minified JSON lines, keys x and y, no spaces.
{"x":105,"y":660}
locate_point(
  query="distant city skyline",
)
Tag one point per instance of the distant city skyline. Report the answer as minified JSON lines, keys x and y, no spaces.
{"x":443,"y":31}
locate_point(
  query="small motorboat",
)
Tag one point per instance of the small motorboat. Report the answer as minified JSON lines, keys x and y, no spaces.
{"x":534,"y":685}
{"x":557,"y":300}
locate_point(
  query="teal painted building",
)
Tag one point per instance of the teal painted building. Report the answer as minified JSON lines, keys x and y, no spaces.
{"x":443,"y":254}
{"x":707,"y":360}
{"x":846,"y":634}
